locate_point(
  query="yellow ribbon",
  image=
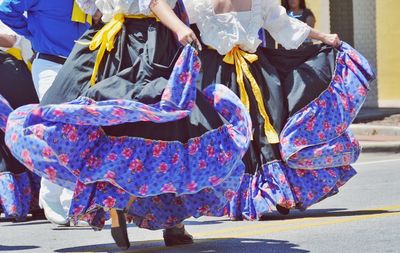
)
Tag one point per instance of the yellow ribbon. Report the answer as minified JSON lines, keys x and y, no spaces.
{"x":104,"y":39}
{"x":18,"y":55}
{"x":238,"y":58}
{"x":79,"y":16}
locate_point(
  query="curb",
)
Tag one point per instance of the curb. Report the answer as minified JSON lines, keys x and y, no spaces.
{"x":375,"y":130}
{"x":380,"y":147}
{"x":373,"y":114}
{"x":377,"y":138}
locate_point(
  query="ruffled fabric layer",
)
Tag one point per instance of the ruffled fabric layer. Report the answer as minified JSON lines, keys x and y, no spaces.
{"x":317,"y":147}
{"x":66,"y":144}
{"x":18,"y":194}
{"x":324,"y":122}
{"x":290,"y":188}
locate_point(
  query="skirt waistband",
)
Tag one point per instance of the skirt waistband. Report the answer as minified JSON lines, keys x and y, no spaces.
{"x":105,"y":37}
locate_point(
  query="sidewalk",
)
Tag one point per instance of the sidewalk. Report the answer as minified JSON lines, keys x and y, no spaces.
{"x":378,"y":130}
{"x":375,"y":114}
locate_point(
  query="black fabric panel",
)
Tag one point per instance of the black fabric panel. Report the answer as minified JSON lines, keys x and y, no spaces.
{"x":216,"y":71}
{"x":144,"y":51}
{"x":305,"y":73}
{"x":137,"y":69}
{"x":16,"y":83}
{"x":7,"y":160}
{"x":202,"y":119}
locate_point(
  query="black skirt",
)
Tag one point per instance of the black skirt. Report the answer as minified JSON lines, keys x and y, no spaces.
{"x":137,"y":69}
{"x":288,"y":82}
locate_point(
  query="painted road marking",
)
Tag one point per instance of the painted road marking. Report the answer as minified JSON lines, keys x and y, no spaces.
{"x":377,"y":162}
{"x":264,"y":229}
{"x":293,"y":221}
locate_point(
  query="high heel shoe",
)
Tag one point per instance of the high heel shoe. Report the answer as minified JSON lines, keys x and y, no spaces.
{"x":120,"y":234}
{"x":177,"y":236}
{"x":282,"y":210}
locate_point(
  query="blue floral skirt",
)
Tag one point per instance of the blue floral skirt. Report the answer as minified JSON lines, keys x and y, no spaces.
{"x":19,"y":188}
{"x":171,"y":180}
{"x":19,"y":194}
{"x":312,"y":95}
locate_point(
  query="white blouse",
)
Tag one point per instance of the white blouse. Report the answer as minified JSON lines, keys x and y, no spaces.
{"x":109,"y":8}
{"x":227,"y":30}
{"x":22,"y":44}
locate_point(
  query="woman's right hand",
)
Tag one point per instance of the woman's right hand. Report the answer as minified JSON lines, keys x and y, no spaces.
{"x":331,"y":40}
{"x":167,"y":16}
{"x":187,"y":36}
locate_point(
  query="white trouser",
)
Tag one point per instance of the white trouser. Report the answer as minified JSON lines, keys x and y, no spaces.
{"x":43,"y":74}
{"x":54,"y":199}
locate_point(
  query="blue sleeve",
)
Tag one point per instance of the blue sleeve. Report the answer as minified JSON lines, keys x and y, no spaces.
{"x":12,"y":14}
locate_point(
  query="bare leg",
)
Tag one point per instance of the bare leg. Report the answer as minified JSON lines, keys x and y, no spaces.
{"x":114,"y":218}
{"x":130,"y":203}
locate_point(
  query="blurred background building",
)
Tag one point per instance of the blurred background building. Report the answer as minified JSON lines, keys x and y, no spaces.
{"x":373,"y":28}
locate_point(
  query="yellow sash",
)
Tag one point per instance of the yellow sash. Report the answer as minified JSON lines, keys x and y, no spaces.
{"x":18,"y":55}
{"x":238,"y":58}
{"x":78,"y":15}
{"x":104,"y":39}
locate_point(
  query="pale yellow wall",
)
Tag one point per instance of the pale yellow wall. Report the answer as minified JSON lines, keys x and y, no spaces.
{"x":388,"y":41}
{"x":315,"y":6}
{"x":320,"y":8}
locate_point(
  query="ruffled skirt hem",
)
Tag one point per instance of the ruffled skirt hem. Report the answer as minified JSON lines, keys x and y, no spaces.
{"x":18,"y":194}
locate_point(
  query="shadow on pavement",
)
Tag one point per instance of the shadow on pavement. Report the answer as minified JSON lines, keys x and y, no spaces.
{"x":226,"y":245}
{"x":27,"y":219}
{"x":60,"y":228}
{"x":27,"y":223}
{"x":323,"y":213}
{"x":16,"y":248}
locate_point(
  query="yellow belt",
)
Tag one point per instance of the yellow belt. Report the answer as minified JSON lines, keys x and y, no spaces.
{"x":238,"y":58}
{"x":18,"y":55}
{"x":105,"y":37}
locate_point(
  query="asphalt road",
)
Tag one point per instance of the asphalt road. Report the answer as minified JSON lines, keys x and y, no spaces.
{"x":363,"y":217}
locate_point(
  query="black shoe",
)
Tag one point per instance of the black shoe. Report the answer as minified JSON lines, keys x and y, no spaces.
{"x":38,"y":215}
{"x":177,"y":236}
{"x":282,"y":210}
{"x":120,"y":234}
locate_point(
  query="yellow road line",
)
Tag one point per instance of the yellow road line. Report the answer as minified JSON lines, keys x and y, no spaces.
{"x":310,"y":225}
{"x":263,"y":229}
{"x":274,"y":223}
{"x":377,"y":162}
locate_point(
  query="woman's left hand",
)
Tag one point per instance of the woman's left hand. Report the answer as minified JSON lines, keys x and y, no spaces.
{"x":97,"y":17}
{"x":331,"y":40}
